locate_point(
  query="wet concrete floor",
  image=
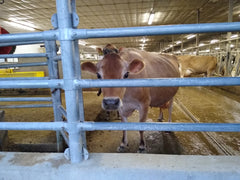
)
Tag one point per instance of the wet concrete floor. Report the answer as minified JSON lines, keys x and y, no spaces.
{"x":205,"y":104}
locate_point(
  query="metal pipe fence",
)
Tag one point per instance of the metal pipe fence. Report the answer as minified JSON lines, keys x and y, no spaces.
{"x":23,"y":65}
{"x":96,"y":126}
{"x":17,"y":99}
{"x":72,"y":83}
{"x":30,"y":55}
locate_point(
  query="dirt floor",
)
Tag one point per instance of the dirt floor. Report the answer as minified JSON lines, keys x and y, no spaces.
{"x":205,"y":104}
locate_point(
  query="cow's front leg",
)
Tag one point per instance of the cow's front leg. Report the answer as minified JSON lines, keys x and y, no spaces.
{"x":124,"y":143}
{"x":143,"y":117}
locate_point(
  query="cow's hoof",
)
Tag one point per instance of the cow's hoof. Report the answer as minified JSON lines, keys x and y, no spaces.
{"x":160,"y":119}
{"x":142,"y":150}
{"x":122,"y":149}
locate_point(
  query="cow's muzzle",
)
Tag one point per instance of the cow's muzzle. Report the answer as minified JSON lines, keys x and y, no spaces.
{"x":111,"y":103}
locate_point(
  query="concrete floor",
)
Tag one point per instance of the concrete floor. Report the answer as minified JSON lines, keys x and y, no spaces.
{"x":206,"y":104}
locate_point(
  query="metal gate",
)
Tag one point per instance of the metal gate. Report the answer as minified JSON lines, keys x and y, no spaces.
{"x":65,"y":31}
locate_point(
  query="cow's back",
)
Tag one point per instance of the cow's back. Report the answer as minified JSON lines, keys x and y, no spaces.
{"x":156,"y":66}
{"x":197,"y":64}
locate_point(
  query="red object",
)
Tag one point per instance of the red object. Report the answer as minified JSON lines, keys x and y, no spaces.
{"x":5,"y":50}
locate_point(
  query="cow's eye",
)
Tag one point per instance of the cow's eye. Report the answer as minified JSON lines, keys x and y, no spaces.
{"x":99,"y":76}
{"x":126,"y":75}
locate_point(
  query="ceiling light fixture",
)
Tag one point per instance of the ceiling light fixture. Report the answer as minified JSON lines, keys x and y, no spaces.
{"x":191,"y":36}
{"x":214,"y":41}
{"x":234,"y":36}
{"x":178,"y":42}
{"x":151,"y":17}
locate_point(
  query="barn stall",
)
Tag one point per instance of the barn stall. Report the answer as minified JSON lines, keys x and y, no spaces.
{"x":222,"y":108}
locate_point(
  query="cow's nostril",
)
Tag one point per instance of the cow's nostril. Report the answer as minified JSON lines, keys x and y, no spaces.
{"x":117,"y":101}
{"x":111,"y":103}
{"x":105,"y":102}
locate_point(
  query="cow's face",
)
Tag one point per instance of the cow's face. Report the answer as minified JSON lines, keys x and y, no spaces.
{"x":112,"y":66}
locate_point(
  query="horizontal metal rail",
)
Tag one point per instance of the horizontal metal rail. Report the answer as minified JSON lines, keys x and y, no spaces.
{"x":26,"y":106}
{"x":30,"y":55}
{"x":23,"y":78}
{"x":93,"y":126}
{"x":20,"y":43}
{"x":71,"y":34}
{"x":88,"y":83}
{"x":23,"y":99}
{"x":7,"y":84}
{"x":51,"y":126}
{"x":165,"y":82}
{"x":156,"y":30}
{"x":217,"y":127}
{"x":24,"y":65}
{"x":34,"y":36}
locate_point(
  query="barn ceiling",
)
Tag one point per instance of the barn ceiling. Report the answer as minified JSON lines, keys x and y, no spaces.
{"x":19,"y":16}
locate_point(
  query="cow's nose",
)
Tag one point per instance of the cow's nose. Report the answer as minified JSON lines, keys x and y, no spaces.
{"x":111,"y":103}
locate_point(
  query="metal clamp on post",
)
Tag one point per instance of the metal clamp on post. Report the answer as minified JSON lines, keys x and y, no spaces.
{"x":75,"y":20}
{"x":85,"y":154}
{"x":54,"y":21}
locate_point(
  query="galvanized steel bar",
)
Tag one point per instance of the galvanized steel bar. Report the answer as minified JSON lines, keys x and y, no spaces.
{"x":34,"y":36}
{"x":19,"y":43}
{"x":24,"y":78}
{"x":65,"y":137}
{"x":7,"y":84}
{"x":64,"y":18}
{"x":30,"y":55}
{"x":156,"y":30}
{"x":23,"y":65}
{"x":63,"y":111}
{"x":118,"y":126}
{"x":165,"y":82}
{"x":52,"y":126}
{"x":130,"y":126}
{"x":23,"y":99}
{"x":26,"y":106}
{"x":57,"y":58}
{"x":51,"y":50}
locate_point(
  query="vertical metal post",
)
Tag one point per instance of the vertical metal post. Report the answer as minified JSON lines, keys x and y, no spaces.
{"x":78,"y":74}
{"x":64,"y":17}
{"x":51,"y":50}
{"x":172,"y":44}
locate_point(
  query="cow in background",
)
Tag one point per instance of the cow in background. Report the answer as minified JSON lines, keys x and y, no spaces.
{"x":197,"y":65}
{"x":133,"y":64}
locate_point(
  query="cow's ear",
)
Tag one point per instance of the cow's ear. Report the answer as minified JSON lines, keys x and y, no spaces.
{"x":90,"y":67}
{"x":136,"y":66}
{"x":100,"y":51}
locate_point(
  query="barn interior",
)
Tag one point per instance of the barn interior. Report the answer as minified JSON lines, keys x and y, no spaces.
{"x":191,"y":104}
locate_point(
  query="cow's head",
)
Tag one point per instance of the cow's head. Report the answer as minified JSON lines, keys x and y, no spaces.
{"x":112,"y":66}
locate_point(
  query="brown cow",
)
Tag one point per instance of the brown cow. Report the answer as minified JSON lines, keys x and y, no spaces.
{"x":197,"y":65}
{"x":132,"y":63}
